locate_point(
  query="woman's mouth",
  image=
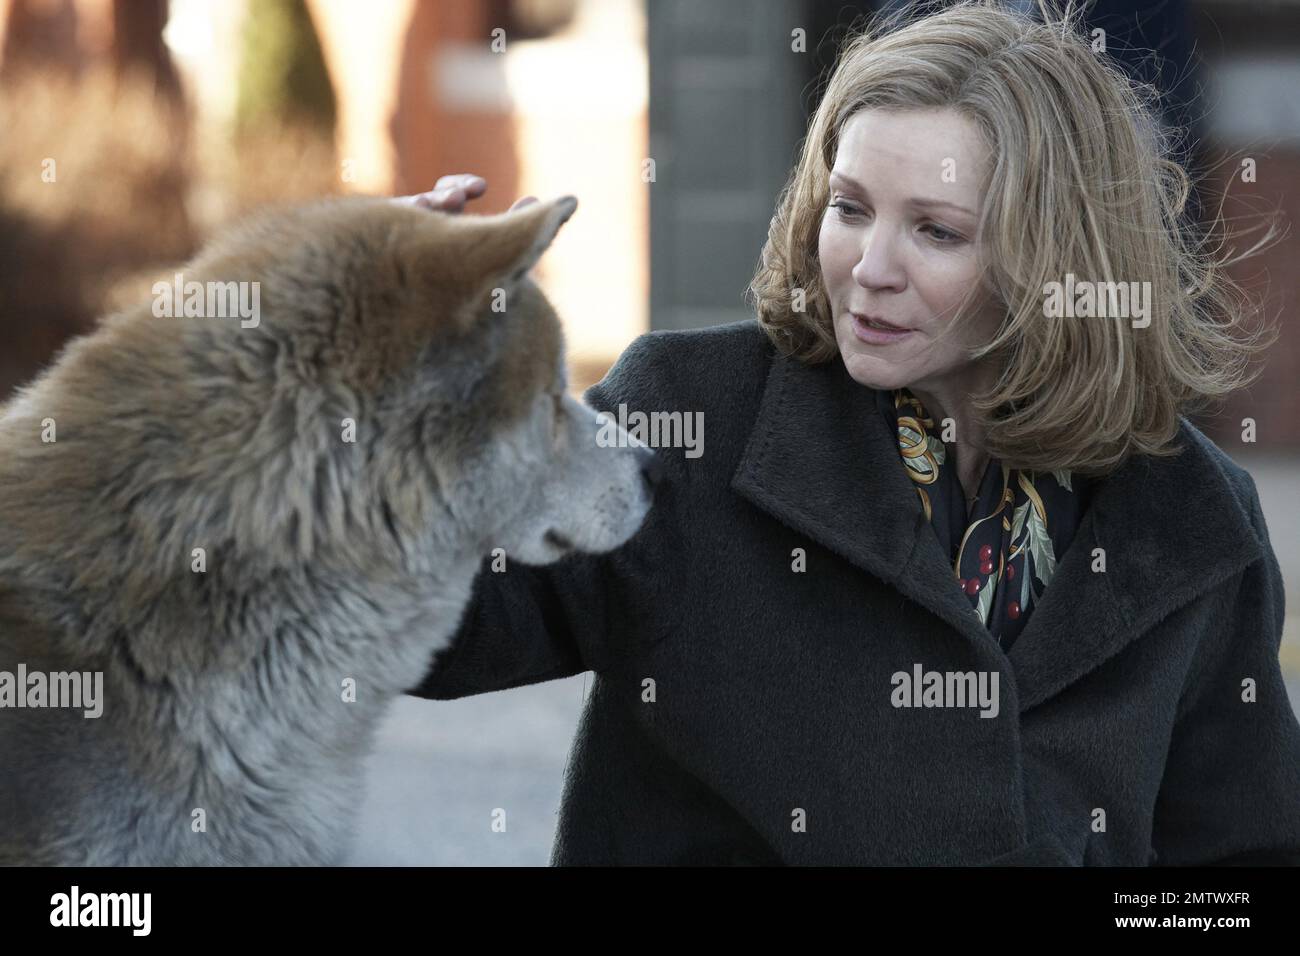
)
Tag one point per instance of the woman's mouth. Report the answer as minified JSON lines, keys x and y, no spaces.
{"x":876,"y":331}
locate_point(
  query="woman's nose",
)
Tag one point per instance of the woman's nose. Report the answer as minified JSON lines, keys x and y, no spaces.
{"x":878,"y":267}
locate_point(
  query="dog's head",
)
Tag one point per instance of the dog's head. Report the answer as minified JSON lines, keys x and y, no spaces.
{"x":390,"y":381}
{"x":519,"y":456}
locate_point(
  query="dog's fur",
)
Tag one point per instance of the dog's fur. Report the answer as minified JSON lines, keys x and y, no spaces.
{"x":327,"y":561}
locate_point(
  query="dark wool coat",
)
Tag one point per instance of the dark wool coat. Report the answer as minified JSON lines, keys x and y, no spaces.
{"x":743,"y":711}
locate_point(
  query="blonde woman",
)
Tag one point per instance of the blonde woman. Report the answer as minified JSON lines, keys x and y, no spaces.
{"x":953,"y":581}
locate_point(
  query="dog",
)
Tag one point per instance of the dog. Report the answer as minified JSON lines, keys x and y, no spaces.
{"x":257,"y":525}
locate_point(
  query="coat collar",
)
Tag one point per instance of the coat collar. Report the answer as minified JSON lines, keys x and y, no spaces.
{"x":820,"y":458}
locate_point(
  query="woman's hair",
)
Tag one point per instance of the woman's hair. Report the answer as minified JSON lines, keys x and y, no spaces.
{"x":1081,"y":181}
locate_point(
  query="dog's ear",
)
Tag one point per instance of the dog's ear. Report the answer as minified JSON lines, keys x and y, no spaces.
{"x":497,"y":251}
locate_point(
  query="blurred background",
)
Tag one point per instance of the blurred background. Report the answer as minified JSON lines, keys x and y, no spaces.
{"x":131,"y":129}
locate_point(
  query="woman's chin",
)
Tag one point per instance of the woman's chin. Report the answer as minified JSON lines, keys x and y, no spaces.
{"x":872,"y":370}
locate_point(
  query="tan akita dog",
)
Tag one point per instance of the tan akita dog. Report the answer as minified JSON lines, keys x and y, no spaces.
{"x":238,"y":520}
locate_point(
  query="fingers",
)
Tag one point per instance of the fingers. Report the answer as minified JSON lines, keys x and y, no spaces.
{"x":451,"y":193}
{"x":473,"y":185}
{"x":442,"y":200}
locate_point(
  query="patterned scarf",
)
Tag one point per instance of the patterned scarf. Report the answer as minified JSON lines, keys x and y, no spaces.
{"x":1004,"y":552}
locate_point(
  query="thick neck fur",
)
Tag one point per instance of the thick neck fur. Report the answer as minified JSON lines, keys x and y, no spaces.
{"x":238,"y":672}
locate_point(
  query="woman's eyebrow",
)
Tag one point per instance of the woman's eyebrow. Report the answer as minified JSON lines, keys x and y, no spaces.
{"x":942,"y":202}
{"x":924,"y":203}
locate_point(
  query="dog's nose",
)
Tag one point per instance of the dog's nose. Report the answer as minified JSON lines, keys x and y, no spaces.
{"x":652,"y":469}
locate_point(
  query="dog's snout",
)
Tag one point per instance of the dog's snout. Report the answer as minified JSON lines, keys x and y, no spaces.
{"x":652,"y":469}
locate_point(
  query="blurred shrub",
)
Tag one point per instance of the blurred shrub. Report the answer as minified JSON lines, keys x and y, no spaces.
{"x":282,"y":74}
{"x":281,"y":146}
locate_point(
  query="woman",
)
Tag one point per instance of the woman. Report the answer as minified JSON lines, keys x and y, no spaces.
{"x":954,"y":582}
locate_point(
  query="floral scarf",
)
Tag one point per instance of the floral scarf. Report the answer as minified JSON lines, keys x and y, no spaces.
{"x":1004,"y":552}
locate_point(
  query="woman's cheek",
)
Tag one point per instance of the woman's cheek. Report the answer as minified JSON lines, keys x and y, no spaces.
{"x":824,"y":247}
{"x":944,"y":284}
{"x":833,"y":252}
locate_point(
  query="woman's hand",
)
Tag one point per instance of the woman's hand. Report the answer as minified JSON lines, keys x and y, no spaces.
{"x":450,"y":193}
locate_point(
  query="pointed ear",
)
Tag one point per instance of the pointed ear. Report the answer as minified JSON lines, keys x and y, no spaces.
{"x":499,"y":250}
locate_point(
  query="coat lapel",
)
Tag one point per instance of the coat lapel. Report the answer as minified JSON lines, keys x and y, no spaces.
{"x":1170,"y":529}
{"x":821,"y":459}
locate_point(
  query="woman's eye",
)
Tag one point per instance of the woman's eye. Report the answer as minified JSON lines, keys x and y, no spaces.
{"x":844,"y":209}
{"x":942,"y":235}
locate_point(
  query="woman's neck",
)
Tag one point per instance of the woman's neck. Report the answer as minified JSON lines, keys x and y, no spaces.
{"x":967,"y":432}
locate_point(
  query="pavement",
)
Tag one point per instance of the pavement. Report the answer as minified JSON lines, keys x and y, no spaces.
{"x":446,"y":775}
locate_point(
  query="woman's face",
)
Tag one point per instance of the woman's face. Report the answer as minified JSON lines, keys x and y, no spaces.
{"x":898,"y":247}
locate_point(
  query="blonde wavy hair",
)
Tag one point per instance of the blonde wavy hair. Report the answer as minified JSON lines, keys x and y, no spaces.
{"x":1082,"y":181}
